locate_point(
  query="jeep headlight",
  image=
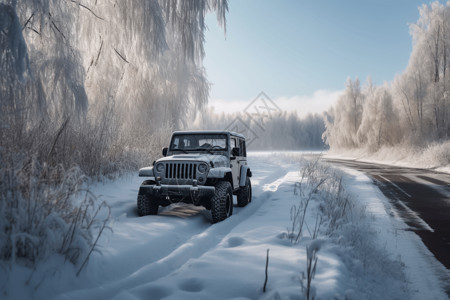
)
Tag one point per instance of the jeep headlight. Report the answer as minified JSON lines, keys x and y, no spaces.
{"x":202,"y":168}
{"x":160,"y":167}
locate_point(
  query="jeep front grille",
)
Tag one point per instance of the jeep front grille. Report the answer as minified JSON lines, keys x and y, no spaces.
{"x":180,"y":170}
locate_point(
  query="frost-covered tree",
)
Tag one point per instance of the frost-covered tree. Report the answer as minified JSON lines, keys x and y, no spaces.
{"x":346,"y":117}
{"x":415,"y":108}
{"x":107,"y":48}
{"x":110,"y":72}
{"x":422,"y":90}
{"x":379,"y":124}
{"x":411,"y":91}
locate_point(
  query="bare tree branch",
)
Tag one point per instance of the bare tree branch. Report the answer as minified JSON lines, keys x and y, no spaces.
{"x":99,"y":52}
{"x":121,"y":56}
{"x":85,"y":7}
{"x":28,"y":21}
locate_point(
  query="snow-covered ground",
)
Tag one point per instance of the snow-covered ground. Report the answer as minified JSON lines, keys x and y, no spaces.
{"x":178,"y":254}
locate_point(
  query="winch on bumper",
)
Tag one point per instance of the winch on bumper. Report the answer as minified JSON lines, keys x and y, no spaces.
{"x":168,"y":193}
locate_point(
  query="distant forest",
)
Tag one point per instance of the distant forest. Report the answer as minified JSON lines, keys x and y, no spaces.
{"x":278,"y":130}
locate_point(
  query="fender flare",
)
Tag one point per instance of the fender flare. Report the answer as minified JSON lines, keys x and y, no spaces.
{"x":146,"y":172}
{"x":219,"y":172}
{"x":245,"y":172}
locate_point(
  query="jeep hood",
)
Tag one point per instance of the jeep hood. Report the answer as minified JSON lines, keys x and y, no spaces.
{"x":218,"y":160}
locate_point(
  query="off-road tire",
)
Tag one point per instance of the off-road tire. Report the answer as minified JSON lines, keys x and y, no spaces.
{"x":244,"y":195}
{"x":146,"y":206}
{"x":222,"y":202}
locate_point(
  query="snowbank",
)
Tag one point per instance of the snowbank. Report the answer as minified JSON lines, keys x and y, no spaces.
{"x":435,"y":156}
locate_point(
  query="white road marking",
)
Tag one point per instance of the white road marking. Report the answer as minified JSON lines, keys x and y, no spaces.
{"x":399,"y":188}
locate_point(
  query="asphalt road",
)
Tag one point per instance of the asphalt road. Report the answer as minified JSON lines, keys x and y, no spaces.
{"x":420,"y":196}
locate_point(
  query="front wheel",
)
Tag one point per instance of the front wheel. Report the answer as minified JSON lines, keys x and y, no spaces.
{"x":222,"y":202}
{"x":244,"y":195}
{"x":146,"y":206}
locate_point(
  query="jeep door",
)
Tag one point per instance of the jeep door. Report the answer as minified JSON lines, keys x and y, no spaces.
{"x":235,"y":162}
{"x":239,"y":160}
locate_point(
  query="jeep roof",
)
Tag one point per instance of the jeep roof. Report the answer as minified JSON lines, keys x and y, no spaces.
{"x":208,"y":132}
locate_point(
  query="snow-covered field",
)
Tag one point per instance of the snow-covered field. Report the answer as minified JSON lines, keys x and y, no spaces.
{"x":180,"y":255}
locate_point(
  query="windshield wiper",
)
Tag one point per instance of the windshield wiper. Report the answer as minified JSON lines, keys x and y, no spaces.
{"x":184,"y":151}
{"x":209,"y":149}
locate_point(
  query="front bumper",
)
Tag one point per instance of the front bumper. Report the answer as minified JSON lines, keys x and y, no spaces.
{"x":167,"y":194}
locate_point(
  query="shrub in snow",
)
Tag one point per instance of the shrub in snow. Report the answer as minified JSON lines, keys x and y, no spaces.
{"x":324,"y":184}
{"x":311,"y":265}
{"x":342,"y":224}
{"x":436,"y":155}
{"x":39,"y":215}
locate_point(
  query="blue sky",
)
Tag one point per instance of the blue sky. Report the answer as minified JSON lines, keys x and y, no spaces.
{"x":298,"y":49}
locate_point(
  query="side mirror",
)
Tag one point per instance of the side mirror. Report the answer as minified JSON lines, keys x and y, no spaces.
{"x":164,"y":151}
{"x":235,"y":151}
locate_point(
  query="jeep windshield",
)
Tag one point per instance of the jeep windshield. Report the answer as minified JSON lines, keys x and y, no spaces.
{"x":199,"y":142}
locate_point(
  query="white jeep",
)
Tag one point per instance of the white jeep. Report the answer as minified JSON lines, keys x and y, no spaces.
{"x":200,"y":167}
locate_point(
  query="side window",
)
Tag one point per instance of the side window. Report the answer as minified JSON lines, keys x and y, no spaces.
{"x":233,"y":143}
{"x":242,"y":150}
{"x":176,"y":143}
